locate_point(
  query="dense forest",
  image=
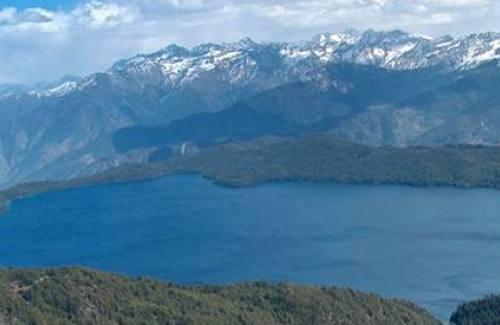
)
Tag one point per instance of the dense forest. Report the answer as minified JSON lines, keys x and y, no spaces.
{"x":330,"y":159}
{"x":481,"y":312}
{"x":80,"y":296}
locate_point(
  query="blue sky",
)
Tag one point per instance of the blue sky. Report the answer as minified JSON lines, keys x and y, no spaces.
{"x":46,"y":39}
{"x":49,"y":4}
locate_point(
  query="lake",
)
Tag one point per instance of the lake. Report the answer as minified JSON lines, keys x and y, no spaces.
{"x":435,"y":246}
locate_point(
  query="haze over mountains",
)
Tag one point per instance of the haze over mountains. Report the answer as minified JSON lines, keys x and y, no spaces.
{"x":377,"y":88}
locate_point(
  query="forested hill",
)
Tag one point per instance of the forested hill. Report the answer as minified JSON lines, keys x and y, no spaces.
{"x":80,"y":296}
{"x":330,"y":159}
{"x":481,"y":312}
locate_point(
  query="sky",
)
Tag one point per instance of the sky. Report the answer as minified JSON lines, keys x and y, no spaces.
{"x":48,"y":4}
{"x":46,"y":39}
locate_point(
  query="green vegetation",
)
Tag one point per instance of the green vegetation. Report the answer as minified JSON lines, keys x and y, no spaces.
{"x":329,"y":159}
{"x":481,"y":312}
{"x":316,"y":159}
{"x":80,"y":296}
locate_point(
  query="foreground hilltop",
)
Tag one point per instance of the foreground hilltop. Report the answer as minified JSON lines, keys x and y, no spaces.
{"x":79,"y":296}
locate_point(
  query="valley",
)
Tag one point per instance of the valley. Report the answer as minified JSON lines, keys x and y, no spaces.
{"x":376,"y":88}
{"x":348,"y":163}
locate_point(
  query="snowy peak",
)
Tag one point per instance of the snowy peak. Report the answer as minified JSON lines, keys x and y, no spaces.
{"x":370,"y":47}
{"x":348,"y":37}
{"x":478,"y":48}
{"x":43,"y":89}
{"x":178,"y":65}
{"x":58,"y":90}
{"x":395,"y":49}
{"x":240,"y":62}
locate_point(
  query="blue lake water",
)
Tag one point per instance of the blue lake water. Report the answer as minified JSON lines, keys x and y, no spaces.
{"x":436,"y":247}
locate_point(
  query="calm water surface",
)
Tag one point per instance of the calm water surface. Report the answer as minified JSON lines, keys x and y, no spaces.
{"x":436,"y":247}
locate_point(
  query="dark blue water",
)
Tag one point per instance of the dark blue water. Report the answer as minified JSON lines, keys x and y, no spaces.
{"x":436,"y":247}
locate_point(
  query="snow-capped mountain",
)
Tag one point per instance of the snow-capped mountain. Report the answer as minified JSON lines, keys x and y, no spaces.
{"x":240,"y":61}
{"x":53,"y":88}
{"x":400,"y":50}
{"x":7,"y":90}
{"x":66,"y":128}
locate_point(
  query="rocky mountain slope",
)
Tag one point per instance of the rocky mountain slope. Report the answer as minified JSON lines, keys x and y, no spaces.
{"x":363,"y":85}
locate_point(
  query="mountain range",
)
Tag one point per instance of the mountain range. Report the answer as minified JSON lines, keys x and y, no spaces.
{"x":377,"y":88}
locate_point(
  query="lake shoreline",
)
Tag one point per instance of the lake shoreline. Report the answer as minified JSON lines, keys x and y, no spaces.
{"x":38,"y":188}
{"x":317,"y":159}
{"x":161,"y":219}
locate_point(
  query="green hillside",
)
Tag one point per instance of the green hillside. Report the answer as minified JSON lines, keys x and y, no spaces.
{"x":481,"y":312}
{"x":80,"y":296}
{"x":329,"y":159}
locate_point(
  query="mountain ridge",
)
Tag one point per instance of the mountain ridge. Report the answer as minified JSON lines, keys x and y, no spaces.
{"x":67,"y":130}
{"x":394,"y":49}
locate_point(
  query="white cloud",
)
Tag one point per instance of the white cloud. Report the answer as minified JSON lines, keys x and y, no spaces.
{"x":37,"y":44}
{"x":7,"y":15}
{"x":11,"y":16}
{"x":95,"y":14}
